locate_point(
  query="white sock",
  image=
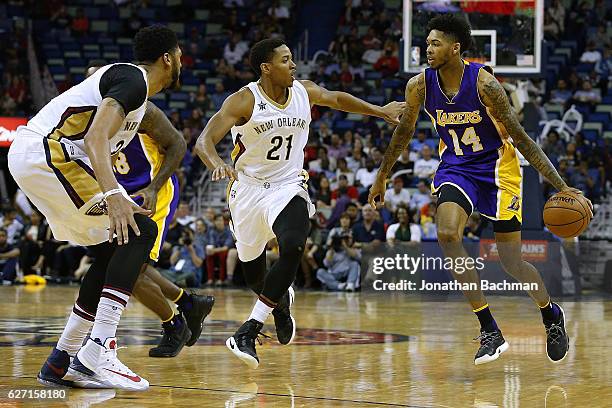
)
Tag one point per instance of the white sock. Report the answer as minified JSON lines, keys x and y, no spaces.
{"x":261,"y":311}
{"x":112,"y":303}
{"x":75,"y":331}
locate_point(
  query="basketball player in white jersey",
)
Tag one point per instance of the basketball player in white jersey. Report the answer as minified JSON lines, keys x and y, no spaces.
{"x":62,"y":160}
{"x":267,"y":196}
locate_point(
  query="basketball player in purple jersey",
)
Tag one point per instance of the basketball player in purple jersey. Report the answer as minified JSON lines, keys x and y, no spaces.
{"x":479,"y":169}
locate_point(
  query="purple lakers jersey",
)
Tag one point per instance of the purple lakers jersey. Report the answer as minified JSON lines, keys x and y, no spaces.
{"x":467,"y":132}
{"x":137,"y":163}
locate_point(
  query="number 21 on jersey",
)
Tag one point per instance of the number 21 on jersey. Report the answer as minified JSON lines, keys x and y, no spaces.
{"x":277,"y":143}
{"x":469,"y":138}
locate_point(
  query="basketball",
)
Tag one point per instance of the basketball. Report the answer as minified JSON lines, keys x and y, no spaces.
{"x":566,"y":215}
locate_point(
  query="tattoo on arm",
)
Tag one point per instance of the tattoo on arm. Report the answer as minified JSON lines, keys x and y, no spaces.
{"x":415,"y":96}
{"x":495,"y":98}
{"x":113,"y":103}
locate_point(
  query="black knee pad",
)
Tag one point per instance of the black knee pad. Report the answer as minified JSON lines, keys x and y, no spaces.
{"x":292,"y":243}
{"x":147,"y":227}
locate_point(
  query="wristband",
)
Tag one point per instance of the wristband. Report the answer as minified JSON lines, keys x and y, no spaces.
{"x":111,"y":192}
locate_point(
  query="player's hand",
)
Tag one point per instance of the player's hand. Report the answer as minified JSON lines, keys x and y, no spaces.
{"x":377,"y":190}
{"x":392,"y":111}
{"x":575,"y":191}
{"x":149,"y":197}
{"x":224,"y":171}
{"x":121,"y":215}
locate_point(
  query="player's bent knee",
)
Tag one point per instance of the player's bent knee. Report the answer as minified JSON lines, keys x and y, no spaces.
{"x":448,"y":235}
{"x":292,"y":244}
{"x":147,"y":227}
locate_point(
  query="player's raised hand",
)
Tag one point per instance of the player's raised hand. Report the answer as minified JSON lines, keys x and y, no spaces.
{"x":377,"y":190}
{"x":577,"y":192}
{"x":121,"y":215}
{"x":224,"y":171}
{"x":149,"y":197}
{"x":392,"y":112}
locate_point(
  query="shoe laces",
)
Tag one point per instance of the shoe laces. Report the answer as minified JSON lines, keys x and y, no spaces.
{"x":486,"y":338}
{"x":554,"y":333}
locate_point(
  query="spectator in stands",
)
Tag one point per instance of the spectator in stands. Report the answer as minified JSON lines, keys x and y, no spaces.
{"x":209,"y":217}
{"x":405,"y":230}
{"x":551,"y":28}
{"x":561,"y":94}
{"x":31,"y":246}
{"x":323,"y":162}
{"x":583,"y":180}
{"x":341,"y":263}
{"x":200,"y":100}
{"x":604,"y":69}
{"x":186,"y":260}
{"x":314,"y":243}
{"x":8,"y":258}
{"x":12,"y":225}
{"x":583,"y":146}
{"x":337,"y":149}
{"x":357,"y":159}
{"x":8,"y":107}
{"x":552,"y":146}
{"x":219,"y":242}
{"x":365,"y":176}
{"x":556,"y":11}
{"x":367,"y":126}
{"x":474,"y":227}
{"x":219,"y":96}
{"x":18,"y":90}
{"x":428,"y":222}
{"x":184,"y":216}
{"x":416,"y":145}
{"x":344,"y":190}
{"x":343,"y":170}
{"x":344,"y":229}
{"x":376,"y":156}
{"x":369,"y":232}
{"x":397,"y":195}
{"x":80,"y":23}
{"x":61,"y":19}
{"x":422,"y":197}
{"x":235,"y":49}
{"x":278,"y":11}
{"x":587,"y":96}
{"x":404,"y":163}
{"x":176,"y":120}
{"x":323,"y":197}
{"x":388,"y":63}
{"x":426,"y":166}
{"x":591,"y":55}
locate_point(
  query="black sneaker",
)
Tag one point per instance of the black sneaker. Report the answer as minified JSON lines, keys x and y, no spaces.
{"x":284,"y":322}
{"x":172,"y":341}
{"x":492,"y":344}
{"x":54,"y":370}
{"x":557,"y":340}
{"x":200,"y":308}
{"x":242,"y":343}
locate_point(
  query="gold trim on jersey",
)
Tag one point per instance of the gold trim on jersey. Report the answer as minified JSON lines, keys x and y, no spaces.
{"x":165,"y":196}
{"x":238,"y":150}
{"x":75,"y":176}
{"x":74,"y":123}
{"x":278,"y":105}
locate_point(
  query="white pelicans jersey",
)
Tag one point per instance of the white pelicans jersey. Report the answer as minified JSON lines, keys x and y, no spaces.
{"x":270,"y":146}
{"x":67,"y":117}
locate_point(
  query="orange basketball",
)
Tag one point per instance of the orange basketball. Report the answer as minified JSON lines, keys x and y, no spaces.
{"x":566,"y":214}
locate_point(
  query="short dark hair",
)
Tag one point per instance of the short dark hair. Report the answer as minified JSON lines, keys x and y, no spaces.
{"x":262,"y":52}
{"x":152,"y":42}
{"x":96,"y":63}
{"x":454,"y":25}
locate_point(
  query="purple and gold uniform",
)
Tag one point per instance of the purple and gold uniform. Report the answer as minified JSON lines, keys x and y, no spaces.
{"x":136,"y":165}
{"x":477,"y":156}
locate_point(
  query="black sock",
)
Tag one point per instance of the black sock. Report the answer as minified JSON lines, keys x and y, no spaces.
{"x":173,"y":324}
{"x":185,"y":301}
{"x":487,"y":322}
{"x":550,"y":312}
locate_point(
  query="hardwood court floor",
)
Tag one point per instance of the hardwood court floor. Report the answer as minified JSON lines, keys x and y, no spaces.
{"x":352,"y":350}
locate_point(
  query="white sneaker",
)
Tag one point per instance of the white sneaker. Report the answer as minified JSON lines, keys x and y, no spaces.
{"x":107,"y":371}
{"x":350,"y":287}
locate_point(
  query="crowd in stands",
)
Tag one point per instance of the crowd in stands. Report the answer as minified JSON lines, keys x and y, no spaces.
{"x":342,"y":156}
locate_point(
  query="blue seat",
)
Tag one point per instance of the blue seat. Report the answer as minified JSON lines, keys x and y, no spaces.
{"x":343,"y":125}
{"x":584,"y":68}
{"x":602,"y":117}
{"x":179,"y":96}
{"x":375,"y":99}
{"x":590,"y":134}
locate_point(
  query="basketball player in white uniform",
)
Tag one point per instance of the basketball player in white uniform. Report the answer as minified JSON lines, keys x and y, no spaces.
{"x":62,"y":160}
{"x":267,"y":196}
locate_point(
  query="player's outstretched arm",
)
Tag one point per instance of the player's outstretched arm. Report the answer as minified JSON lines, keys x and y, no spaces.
{"x":156,"y":124}
{"x":348,"y":103}
{"x":415,"y":97}
{"x":237,"y":109}
{"x":494,"y":97}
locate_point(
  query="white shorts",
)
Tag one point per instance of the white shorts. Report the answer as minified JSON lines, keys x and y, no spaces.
{"x":254,"y":206}
{"x":63,"y":188}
